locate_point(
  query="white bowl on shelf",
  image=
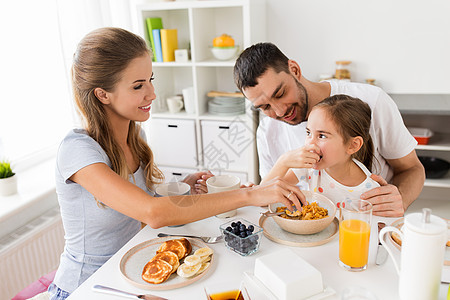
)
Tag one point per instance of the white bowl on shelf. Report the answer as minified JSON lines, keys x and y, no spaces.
{"x":224,"y":53}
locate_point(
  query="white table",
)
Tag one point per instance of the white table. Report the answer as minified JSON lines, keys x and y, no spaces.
{"x":380,"y":280}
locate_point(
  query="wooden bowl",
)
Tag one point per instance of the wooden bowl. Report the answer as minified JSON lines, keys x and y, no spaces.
{"x":307,"y":226}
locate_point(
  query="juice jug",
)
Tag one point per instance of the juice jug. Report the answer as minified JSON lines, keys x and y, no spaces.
{"x":422,"y":255}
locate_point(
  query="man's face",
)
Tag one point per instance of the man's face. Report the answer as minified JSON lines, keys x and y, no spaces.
{"x":280,"y":96}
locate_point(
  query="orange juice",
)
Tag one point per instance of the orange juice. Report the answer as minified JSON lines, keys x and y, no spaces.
{"x":228,"y":295}
{"x":354,"y":243}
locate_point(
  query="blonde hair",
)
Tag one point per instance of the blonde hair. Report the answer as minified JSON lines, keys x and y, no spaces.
{"x":99,"y":61}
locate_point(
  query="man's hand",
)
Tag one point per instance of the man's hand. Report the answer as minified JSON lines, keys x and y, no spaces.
{"x":386,"y":199}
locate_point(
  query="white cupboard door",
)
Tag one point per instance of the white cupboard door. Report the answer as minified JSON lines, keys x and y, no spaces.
{"x":173,"y":142}
{"x":226,"y":145}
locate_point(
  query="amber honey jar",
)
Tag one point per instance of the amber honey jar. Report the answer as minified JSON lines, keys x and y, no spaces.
{"x":342,"y":69}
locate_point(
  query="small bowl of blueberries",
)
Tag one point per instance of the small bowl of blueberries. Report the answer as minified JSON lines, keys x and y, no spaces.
{"x":241,"y":236}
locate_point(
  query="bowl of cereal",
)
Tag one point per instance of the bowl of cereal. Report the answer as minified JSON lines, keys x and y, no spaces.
{"x":313,"y":218}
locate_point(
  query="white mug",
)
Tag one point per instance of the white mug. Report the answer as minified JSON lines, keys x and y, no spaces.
{"x":175,"y":104}
{"x":189,"y":100}
{"x":422,"y":255}
{"x":172,"y":189}
{"x":222,"y":183}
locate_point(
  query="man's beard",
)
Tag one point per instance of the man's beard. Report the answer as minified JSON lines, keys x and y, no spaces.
{"x":302,"y":107}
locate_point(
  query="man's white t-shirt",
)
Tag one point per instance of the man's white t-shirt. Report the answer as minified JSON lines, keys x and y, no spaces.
{"x":319,"y":181}
{"x":390,"y":137}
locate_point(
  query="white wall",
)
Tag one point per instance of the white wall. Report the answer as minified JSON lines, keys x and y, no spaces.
{"x":404,"y":45}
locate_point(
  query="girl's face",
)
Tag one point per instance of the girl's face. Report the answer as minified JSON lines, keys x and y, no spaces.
{"x":323,"y":132}
{"x":133,"y":95}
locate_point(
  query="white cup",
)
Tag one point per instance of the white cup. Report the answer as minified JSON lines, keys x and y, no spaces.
{"x":172,"y":189}
{"x":188,"y":97}
{"x":222,"y":183}
{"x":175,"y":104}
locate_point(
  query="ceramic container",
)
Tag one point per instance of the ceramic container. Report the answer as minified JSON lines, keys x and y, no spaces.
{"x":307,"y":226}
{"x":423,"y":247}
{"x":8,"y":186}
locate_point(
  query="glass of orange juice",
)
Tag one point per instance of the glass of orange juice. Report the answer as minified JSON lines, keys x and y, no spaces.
{"x":354,"y":234}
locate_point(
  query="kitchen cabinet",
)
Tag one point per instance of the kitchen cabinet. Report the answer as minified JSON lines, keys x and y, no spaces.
{"x":432,"y":112}
{"x":197,"y":24}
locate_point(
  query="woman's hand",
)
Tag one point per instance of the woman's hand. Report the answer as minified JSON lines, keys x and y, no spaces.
{"x":247,"y":185}
{"x":197,"y":181}
{"x":277,"y":191}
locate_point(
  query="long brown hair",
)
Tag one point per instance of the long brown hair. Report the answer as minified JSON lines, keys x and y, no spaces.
{"x":98,"y":62}
{"x":352,"y":116}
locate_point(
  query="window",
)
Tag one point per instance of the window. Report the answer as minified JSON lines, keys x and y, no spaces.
{"x":34,"y":89}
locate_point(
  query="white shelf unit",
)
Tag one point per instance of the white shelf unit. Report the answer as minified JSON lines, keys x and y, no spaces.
{"x":197,"y":24}
{"x":439,"y":144}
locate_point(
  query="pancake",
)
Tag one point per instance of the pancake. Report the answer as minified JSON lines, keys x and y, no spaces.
{"x":180,"y":247}
{"x":187,"y":245}
{"x":157,"y":271}
{"x":170,"y":257}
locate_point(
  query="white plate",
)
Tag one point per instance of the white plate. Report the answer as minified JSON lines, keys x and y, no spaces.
{"x":133,"y":262}
{"x":275,"y":233}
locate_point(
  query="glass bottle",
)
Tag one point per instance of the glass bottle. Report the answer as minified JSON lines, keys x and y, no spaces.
{"x":342,"y":71}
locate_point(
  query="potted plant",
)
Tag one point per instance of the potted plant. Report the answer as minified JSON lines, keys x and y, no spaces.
{"x":8,"y":180}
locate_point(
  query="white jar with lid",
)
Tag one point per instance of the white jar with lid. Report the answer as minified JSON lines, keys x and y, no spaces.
{"x":422,"y":255}
{"x":342,"y":69}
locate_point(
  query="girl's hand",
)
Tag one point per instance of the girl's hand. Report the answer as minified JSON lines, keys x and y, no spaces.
{"x":197,"y":181}
{"x":304,"y":157}
{"x":277,"y":191}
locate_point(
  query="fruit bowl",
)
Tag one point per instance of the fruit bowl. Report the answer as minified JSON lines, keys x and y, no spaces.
{"x":307,"y":226}
{"x":224,"y":53}
{"x":241,"y":236}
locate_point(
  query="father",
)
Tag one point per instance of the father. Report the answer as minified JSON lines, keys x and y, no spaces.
{"x":275,"y":85}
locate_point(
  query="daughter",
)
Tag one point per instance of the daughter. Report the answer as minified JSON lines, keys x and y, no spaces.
{"x":337,"y":157}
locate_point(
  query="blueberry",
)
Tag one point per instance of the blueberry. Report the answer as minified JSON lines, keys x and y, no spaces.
{"x":242,"y":228}
{"x":233,"y":224}
{"x":238,"y":223}
{"x":249,"y":232}
{"x":251,"y":228}
{"x":243,"y":234}
{"x":229,"y":228}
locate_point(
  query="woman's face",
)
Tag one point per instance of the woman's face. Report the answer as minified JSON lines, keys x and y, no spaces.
{"x":323,"y":132}
{"x":133,"y":95}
